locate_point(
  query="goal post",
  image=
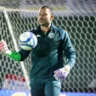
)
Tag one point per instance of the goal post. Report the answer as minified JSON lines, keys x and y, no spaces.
{"x":15,"y":44}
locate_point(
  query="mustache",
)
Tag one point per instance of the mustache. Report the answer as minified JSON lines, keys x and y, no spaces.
{"x":41,"y":19}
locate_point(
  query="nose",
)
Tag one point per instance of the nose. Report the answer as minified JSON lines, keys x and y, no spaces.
{"x":41,"y":16}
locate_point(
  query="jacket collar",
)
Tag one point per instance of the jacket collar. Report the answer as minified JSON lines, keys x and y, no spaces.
{"x":51,"y":27}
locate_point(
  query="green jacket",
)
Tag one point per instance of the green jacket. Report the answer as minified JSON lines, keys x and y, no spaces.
{"x":50,"y":52}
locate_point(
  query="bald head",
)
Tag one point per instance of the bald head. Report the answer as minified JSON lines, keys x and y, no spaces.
{"x":47,"y":7}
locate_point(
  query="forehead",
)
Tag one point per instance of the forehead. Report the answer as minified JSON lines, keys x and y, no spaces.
{"x":45,"y":10}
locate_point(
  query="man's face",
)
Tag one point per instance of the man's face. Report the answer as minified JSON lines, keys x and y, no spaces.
{"x":45,"y":17}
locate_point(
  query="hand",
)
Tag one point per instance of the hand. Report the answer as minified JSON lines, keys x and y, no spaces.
{"x":4,"y":48}
{"x":61,"y":74}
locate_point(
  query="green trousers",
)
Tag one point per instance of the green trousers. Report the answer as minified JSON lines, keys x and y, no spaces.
{"x":45,"y":87}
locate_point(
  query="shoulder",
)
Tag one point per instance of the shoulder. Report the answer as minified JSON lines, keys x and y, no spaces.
{"x":61,"y":31}
{"x":35,"y":31}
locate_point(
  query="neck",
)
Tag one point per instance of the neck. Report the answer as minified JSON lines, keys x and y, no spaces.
{"x":45,"y":28}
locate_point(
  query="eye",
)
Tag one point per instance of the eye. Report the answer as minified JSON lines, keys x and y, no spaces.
{"x":42,"y":14}
{"x":39,"y":14}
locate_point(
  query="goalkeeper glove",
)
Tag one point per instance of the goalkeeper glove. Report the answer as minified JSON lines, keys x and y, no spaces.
{"x":61,"y":74}
{"x":4,"y":48}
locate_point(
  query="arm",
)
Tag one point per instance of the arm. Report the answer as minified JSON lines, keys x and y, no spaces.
{"x":69,"y":52}
{"x":18,"y":56}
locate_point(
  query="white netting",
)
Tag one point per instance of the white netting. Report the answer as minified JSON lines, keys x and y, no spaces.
{"x":77,"y":17}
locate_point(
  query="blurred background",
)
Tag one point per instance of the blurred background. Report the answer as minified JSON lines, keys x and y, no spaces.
{"x":77,"y":17}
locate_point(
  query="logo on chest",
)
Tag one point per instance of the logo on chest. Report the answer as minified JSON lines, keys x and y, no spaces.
{"x":51,"y":35}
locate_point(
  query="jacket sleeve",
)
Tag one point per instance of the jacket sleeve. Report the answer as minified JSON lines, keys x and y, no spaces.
{"x":19,"y":56}
{"x":24,"y":54}
{"x":68,"y":49}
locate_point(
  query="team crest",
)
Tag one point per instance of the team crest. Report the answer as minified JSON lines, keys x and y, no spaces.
{"x":51,"y":35}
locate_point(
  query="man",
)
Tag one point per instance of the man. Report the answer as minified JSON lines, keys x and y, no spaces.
{"x":48,"y":70}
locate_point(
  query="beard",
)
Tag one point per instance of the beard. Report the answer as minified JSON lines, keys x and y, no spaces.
{"x":45,"y":24}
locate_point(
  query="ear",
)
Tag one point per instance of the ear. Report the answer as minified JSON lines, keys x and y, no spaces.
{"x":52,"y":17}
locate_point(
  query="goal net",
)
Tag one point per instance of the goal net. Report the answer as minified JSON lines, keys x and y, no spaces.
{"x":77,"y":17}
